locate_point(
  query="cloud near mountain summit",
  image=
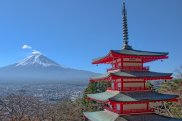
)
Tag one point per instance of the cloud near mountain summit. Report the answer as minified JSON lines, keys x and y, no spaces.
{"x":26,"y":47}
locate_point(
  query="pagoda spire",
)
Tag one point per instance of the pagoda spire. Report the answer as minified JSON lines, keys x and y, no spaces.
{"x":125,"y":27}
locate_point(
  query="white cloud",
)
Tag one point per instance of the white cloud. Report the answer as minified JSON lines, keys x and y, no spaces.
{"x":36,"y":52}
{"x":26,"y":47}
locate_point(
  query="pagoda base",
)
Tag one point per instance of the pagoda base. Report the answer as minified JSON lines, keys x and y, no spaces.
{"x":110,"y":116}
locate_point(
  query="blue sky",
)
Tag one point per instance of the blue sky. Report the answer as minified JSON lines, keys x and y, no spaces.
{"x":73,"y":32}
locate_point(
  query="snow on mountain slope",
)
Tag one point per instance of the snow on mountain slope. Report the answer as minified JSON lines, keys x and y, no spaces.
{"x":37,"y":58}
{"x":38,"y":67}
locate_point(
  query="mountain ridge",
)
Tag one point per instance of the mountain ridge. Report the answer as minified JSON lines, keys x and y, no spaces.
{"x":38,"y":67}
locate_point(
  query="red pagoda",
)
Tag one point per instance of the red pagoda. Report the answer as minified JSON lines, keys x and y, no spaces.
{"x":128,"y":98}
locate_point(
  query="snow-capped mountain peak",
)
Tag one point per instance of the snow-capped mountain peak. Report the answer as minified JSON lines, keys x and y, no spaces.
{"x":36,"y":52}
{"x":37,"y":59}
{"x":39,"y":68}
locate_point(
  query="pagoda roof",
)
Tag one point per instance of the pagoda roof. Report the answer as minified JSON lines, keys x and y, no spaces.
{"x":146,"y":117}
{"x":142,"y":96}
{"x":101,"y":116}
{"x":110,"y":116}
{"x":104,"y":96}
{"x":131,"y":96}
{"x":141,"y":74}
{"x":139,"y":52}
{"x":128,"y":52}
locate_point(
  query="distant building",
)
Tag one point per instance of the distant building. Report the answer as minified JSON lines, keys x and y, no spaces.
{"x":128,"y":98}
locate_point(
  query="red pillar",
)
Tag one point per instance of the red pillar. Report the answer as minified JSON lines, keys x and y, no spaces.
{"x":122,"y":86}
{"x":121,"y":108}
{"x":144,"y":84}
{"x":147,"y":106}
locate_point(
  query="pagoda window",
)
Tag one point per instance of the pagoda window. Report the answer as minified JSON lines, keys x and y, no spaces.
{"x":134,"y":80}
{"x":118,"y":107}
{"x":132,"y":59}
{"x":112,"y":85}
{"x":133,"y":85}
{"x":132,"y":64}
{"x":110,"y":106}
{"x":119,"y":86}
{"x":127,"y":108}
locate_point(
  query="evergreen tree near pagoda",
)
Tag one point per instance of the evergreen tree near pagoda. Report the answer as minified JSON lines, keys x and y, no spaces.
{"x":94,"y":87}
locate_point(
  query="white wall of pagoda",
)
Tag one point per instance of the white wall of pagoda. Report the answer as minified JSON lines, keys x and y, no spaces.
{"x":129,"y":108}
{"x":123,"y":84}
{"x":135,"y":64}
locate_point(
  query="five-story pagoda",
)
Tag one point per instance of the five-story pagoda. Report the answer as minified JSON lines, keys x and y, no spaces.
{"x":128,"y":98}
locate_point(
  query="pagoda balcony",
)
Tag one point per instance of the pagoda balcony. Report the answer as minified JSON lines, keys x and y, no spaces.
{"x":130,"y":68}
{"x":129,"y":89}
{"x":134,"y":88}
{"x":133,"y":111}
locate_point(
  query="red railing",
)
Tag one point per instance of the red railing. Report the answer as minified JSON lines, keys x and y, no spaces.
{"x":128,"y":89}
{"x":130,"y":111}
{"x":133,"y":88}
{"x":131,"y":68}
{"x":138,"y":111}
{"x":136,"y":68}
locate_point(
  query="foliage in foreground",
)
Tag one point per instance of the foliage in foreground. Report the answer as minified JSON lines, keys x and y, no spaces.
{"x":94,"y":87}
{"x":25,"y":108}
{"x":173,"y":109}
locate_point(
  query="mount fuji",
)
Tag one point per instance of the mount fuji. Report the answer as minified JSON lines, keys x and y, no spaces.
{"x":39,"y":68}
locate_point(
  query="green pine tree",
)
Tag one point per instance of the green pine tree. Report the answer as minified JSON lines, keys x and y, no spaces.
{"x":94,"y":87}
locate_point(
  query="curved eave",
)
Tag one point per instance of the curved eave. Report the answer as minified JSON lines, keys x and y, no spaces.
{"x":101,"y":78}
{"x":145,"y":55}
{"x":104,"y":59}
{"x":160,"y":100}
{"x":151,"y":56}
{"x":147,"y":75}
{"x":139,"y":52}
{"x":110,"y":116}
{"x":142,"y":97}
{"x":102,"y":97}
{"x":116,"y":75}
{"x":146,"y":117}
{"x":101,"y":116}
